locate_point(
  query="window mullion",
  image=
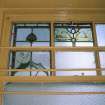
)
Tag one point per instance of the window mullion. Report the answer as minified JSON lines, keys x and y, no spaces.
{"x":52,"y":50}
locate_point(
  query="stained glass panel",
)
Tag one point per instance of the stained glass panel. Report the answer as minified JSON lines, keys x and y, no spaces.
{"x":20,"y":33}
{"x":30,"y":60}
{"x":73,"y":35}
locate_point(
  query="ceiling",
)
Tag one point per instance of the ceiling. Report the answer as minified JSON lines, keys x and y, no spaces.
{"x":52,"y":3}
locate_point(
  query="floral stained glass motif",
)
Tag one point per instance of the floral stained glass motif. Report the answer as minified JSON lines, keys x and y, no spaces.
{"x":73,"y":35}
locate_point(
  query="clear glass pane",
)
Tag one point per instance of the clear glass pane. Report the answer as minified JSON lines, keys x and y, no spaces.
{"x":103,"y":72}
{"x":22,"y":44}
{"x":40,"y":44}
{"x":100,"y":31}
{"x":66,"y":60}
{"x":75,"y":73}
{"x":22,"y":33}
{"x":63,"y":43}
{"x":77,"y":44}
{"x":84,"y":43}
{"x":33,"y":44}
{"x":73,"y":34}
{"x":102,"y":59}
{"x":30,"y":60}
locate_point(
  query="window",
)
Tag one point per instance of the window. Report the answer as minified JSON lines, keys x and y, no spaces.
{"x":67,"y":49}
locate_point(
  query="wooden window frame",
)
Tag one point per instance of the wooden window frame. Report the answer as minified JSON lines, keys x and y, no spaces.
{"x":5,"y":48}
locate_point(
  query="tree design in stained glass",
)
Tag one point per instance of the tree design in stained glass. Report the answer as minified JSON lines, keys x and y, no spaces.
{"x":23,"y":60}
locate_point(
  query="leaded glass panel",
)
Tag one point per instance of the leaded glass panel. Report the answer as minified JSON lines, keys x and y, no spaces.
{"x":30,"y":60}
{"x":20,"y":33}
{"x":73,"y":34}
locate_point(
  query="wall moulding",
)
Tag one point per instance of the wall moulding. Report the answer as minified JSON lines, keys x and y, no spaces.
{"x":55,"y":17}
{"x":55,"y":10}
{"x":55,"y":14}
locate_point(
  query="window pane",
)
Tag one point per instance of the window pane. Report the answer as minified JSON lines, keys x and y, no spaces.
{"x":22,"y":33}
{"x":75,"y":73}
{"x":42,"y":34}
{"x":102,"y":61}
{"x":30,"y":60}
{"x":24,"y":99}
{"x":73,"y":34}
{"x":38,"y":33}
{"x":84,"y":43}
{"x":67,"y":60}
{"x":103,"y":72}
{"x":33,"y":44}
{"x":22,"y":44}
{"x":63,"y":43}
{"x":100,"y":31}
{"x":40,"y":44}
